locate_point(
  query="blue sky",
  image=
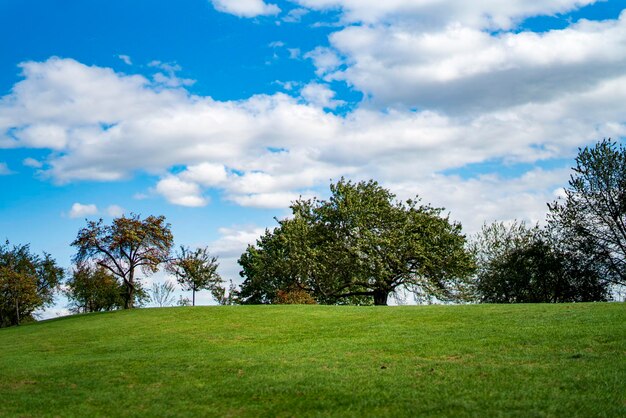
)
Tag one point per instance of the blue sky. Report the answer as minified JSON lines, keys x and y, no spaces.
{"x":218,"y":113}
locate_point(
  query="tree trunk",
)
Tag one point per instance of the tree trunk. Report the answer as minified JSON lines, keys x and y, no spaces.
{"x":17,"y":310}
{"x":130,"y":292}
{"x":128,"y":303}
{"x":380,"y":297}
{"x":193,"y":297}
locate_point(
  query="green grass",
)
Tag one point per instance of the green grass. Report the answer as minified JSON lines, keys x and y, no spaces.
{"x":488,"y":360}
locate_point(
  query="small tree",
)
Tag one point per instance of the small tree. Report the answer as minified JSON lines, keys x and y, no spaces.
{"x":196,"y":270}
{"x":182,"y":301}
{"x":27,"y":282}
{"x":123,"y":247}
{"x":224,"y":297}
{"x":591,"y":219}
{"x":161,"y":294}
{"x":93,"y":289}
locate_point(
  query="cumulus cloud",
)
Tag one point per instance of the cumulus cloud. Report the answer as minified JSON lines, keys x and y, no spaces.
{"x":458,"y":68}
{"x":245,"y":8}
{"x":320,"y":95}
{"x":266,"y":150}
{"x":180,"y":192}
{"x":80,"y":210}
{"x":325,"y":60}
{"x":491,"y":14}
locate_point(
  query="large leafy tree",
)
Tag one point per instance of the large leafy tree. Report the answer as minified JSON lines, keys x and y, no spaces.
{"x":93,"y":289}
{"x":517,"y":263}
{"x":27,"y":282}
{"x":196,"y":270}
{"x":128,"y":244}
{"x":591,"y":218}
{"x":361,"y":243}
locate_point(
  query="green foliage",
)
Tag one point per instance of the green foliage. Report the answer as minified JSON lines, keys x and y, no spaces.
{"x":197,"y":270}
{"x":223,"y":296}
{"x":517,"y":264}
{"x":361,"y":243}
{"x":27,"y":282}
{"x":267,"y":268}
{"x":547,"y":360}
{"x":123,"y":247}
{"x":591,"y":219}
{"x":93,"y":289}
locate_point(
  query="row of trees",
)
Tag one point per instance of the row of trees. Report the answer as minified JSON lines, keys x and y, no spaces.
{"x":580,"y":255}
{"x":362,"y":245}
{"x":107,"y":262}
{"x":358,"y":247}
{"x":109,"y":257}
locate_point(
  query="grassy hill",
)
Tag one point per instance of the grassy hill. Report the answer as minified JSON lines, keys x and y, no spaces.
{"x":518,"y":360}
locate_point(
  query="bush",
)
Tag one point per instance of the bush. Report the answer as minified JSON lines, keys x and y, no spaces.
{"x":294,"y":296}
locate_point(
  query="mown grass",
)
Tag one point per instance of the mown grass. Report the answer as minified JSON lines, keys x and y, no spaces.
{"x":487,"y":360}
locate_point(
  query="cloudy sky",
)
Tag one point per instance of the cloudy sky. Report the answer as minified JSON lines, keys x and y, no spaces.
{"x":219,"y":113}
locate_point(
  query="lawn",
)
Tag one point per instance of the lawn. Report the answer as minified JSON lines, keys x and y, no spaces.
{"x":481,"y":360}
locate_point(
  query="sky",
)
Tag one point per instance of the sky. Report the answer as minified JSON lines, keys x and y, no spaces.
{"x":218,"y":113}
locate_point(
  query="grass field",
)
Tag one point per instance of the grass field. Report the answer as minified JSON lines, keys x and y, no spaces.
{"x":485,"y":360}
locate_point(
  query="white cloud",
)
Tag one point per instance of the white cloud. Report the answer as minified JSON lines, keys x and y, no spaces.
{"x":206,"y":174}
{"x":267,"y":150}
{"x":325,"y":60}
{"x":320,"y":95}
{"x":245,"y":8}
{"x":115,"y":211}
{"x":4,"y":169}
{"x":294,"y":53}
{"x":488,"y":198}
{"x":266,"y":200}
{"x":31,"y":162}
{"x":168,"y":77}
{"x":459,"y":68}
{"x":180,"y":192}
{"x":80,"y":210}
{"x":491,"y":14}
{"x":126,"y":59}
{"x":295,"y":15}
{"x":232,"y":242}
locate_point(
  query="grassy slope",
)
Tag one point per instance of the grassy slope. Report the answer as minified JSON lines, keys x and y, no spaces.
{"x":523,"y":360}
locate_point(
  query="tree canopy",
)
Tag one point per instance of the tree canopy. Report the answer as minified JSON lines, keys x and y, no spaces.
{"x":359,"y":245}
{"x":27,"y":282}
{"x":93,"y":289}
{"x":591,"y":218}
{"x":196,"y":270}
{"x":518,"y":264}
{"x":124,"y":246}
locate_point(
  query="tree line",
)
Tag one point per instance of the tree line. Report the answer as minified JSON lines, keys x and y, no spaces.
{"x":362,"y":245}
{"x":358,"y":247}
{"x":105,"y":272}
